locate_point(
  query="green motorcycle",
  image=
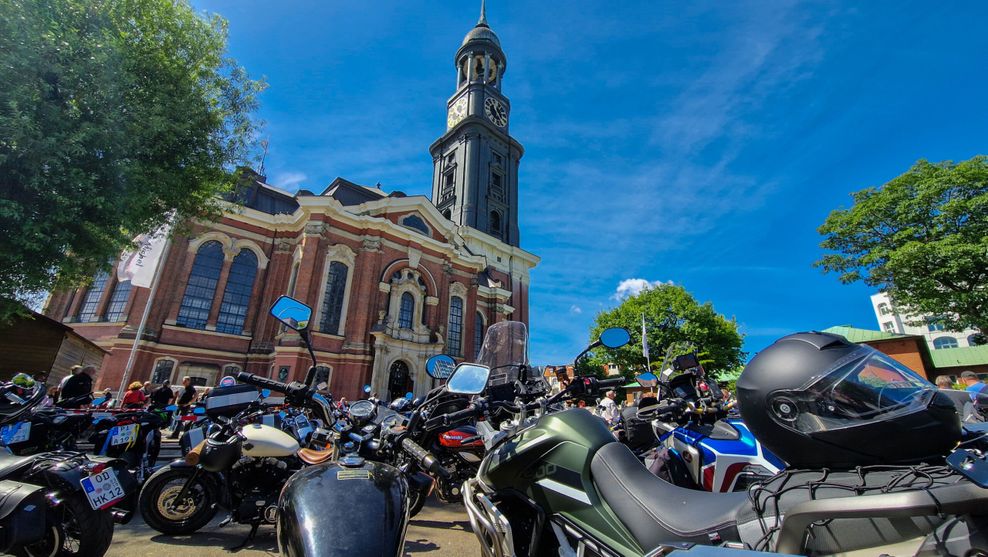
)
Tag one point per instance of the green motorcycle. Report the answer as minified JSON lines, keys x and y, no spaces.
{"x":556,"y":482}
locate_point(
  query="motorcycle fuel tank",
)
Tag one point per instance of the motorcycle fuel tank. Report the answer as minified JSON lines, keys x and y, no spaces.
{"x":263,"y":440}
{"x":453,"y":439}
{"x":330,"y":509}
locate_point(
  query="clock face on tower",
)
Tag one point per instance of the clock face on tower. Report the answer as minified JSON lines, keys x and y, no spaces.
{"x":457,"y":112}
{"x":496,"y":112}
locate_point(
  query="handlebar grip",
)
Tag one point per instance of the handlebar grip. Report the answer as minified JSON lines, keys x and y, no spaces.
{"x":616,"y":382}
{"x":468,"y":412}
{"x":262,"y":382}
{"x":425,"y":458}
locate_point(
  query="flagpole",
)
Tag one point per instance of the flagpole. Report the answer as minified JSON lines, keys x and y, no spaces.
{"x":648,"y":357}
{"x":144,"y":319}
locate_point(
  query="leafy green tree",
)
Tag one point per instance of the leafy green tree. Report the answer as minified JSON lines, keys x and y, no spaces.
{"x":923,"y":238}
{"x":673,"y":319}
{"x":112,"y":114}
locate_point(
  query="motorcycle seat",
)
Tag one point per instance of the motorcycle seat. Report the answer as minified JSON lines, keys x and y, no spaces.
{"x":311,"y":456}
{"x":656,"y":511}
{"x":10,"y":463}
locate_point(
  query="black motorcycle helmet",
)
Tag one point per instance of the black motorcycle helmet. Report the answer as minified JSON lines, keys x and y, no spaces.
{"x":817,"y":400}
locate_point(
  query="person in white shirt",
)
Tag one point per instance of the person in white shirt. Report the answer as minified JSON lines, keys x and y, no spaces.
{"x":607,"y":408}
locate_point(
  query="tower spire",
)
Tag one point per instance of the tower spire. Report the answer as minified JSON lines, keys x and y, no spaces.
{"x":482,"y":22}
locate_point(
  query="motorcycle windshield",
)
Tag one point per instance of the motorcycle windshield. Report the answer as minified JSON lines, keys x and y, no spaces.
{"x":505,"y":348}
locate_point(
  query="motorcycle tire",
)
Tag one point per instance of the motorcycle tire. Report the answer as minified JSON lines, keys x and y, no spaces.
{"x":416,"y":502}
{"x":163,"y":486}
{"x":81,"y":532}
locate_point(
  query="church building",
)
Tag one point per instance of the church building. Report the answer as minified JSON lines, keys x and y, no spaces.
{"x":392,"y":279}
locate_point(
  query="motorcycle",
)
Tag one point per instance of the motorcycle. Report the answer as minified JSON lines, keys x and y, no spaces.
{"x":56,"y":503}
{"x":556,"y":482}
{"x":241,"y":466}
{"x":699,"y":446}
{"x":131,"y":435}
{"x":355,"y":506}
{"x":45,"y":429}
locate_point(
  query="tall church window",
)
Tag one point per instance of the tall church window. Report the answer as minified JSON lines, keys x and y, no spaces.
{"x":478,"y":333}
{"x":332,"y":303}
{"x":236,"y":297}
{"x":118,"y":301}
{"x":201,"y":288}
{"x":495,"y":224}
{"x":87,"y":311}
{"x":449,"y":184}
{"x":456,"y":325}
{"x":406,"y":310}
{"x":162,"y":371}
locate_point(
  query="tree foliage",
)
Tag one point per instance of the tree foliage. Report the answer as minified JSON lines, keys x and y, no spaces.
{"x":673,"y":319}
{"x":112,"y":114}
{"x":923,"y":238}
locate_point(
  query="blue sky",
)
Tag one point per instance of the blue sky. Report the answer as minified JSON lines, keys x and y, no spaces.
{"x":697,"y":142}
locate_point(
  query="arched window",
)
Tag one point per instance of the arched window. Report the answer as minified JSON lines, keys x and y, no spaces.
{"x":118,"y":301}
{"x":455,"y":344}
{"x":236,"y":297}
{"x":322,"y":376}
{"x":416,"y":223}
{"x":495,"y":224}
{"x":201,"y":288}
{"x":163,"y":371}
{"x":975,"y":339}
{"x":332,"y":302}
{"x":399,"y":380}
{"x":944,"y":342}
{"x":406,"y":310}
{"x":231,"y":369}
{"x":478,"y":333}
{"x":87,"y":311}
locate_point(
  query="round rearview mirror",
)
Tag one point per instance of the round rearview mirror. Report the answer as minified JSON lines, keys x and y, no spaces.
{"x":440,"y":366}
{"x":265,"y":393}
{"x":468,"y":379}
{"x":409,"y":396}
{"x":293,"y":313}
{"x":615,"y":337}
{"x":199,"y":411}
{"x":647,"y":379}
{"x":367,"y":389}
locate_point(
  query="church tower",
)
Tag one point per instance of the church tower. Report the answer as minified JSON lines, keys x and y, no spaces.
{"x":475,"y":163}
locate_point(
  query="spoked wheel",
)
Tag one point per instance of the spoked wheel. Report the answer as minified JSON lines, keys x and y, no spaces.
{"x":78,"y":531}
{"x":163,"y":511}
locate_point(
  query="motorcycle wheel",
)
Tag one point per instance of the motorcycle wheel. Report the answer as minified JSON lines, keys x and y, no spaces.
{"x":162,"y":488}
{"x":80,"y":531}
{"x":416,"y":502}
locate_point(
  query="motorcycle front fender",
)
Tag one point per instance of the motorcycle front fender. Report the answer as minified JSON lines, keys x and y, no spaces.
{"x":357,"y":511}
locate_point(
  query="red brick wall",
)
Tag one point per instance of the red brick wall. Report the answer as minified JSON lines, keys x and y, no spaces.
{"x":906,"y":352}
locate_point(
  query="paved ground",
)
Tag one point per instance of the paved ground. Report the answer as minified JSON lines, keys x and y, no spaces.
{"x":438,"y":530}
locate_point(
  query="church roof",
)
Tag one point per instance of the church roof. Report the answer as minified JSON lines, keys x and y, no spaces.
{"x":349,"y":193}
{"x":482,"y":31}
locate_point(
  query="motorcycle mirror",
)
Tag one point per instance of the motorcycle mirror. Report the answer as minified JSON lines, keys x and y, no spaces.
{"x":199,"y":411}
{"x":409,"y":396}
{"x":265,"y":393}
{"x":367,"y":389}
{"x":648,"y":380}
{"x":293,"y":313}
{"x":615,"y":337}
{"x":440,"y":366}
{"x":468,"y":379}
{"x":171,"y":408}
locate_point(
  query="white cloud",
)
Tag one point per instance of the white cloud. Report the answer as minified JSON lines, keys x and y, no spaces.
{"x":634,"y":286}
{"x":289,"y":180}
{"x":575,"y":309}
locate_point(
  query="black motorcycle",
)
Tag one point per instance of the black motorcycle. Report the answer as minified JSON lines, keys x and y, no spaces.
{"x":57,"y":503}
{"x":132,"y":435}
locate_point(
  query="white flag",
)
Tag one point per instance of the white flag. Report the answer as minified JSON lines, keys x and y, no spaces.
{"x":139,"y":266}
{"x":644,"y":339}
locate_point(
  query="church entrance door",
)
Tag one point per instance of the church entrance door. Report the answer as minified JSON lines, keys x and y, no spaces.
{"x":399,"y":380}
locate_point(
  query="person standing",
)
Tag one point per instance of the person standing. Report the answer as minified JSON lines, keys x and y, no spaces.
{"x":135,"y":398}
{"x":607,"y":408}
{"x":162,"y":396}
{"x":78,"y":385}
{"x":974,"y":385}
{"x":944,"y":382}
{"x":186,"y":398}
{"x":147,"y":390}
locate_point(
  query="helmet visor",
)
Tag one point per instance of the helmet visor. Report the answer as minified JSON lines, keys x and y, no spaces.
{"x":870,"y":386}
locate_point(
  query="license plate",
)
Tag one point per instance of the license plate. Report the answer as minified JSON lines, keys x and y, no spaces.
{"x":123,"y":435}
{"x":103,"y":489}
{"x":15,"y":433}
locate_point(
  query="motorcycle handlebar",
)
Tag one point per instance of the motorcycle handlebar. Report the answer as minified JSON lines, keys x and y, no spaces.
{"x":262,"y":382}
{"x":425,"y":459}
{"x":604,"y":383}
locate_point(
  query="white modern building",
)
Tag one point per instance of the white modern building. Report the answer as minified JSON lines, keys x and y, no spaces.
{"x":892,"y":321}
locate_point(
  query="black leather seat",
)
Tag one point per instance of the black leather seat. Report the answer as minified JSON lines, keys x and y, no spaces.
{"x":656,"y":511}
